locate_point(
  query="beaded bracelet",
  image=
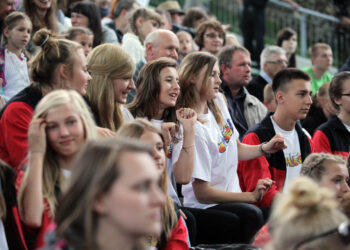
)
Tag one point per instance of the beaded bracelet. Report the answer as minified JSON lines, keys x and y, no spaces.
{"x":263,"y":151}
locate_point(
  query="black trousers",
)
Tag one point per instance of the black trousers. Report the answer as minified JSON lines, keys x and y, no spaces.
{"x":224,"y":223}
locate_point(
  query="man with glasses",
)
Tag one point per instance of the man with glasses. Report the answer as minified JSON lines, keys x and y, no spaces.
{"x":272,"y":60}
{"x":245,"y":109}
{"x":322,"y":60}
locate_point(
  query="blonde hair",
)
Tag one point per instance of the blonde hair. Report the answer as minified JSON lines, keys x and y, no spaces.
{"x":96,"y":168}
{"x":51,"y":170}
{"x":105,"y":63}
{"x":189,"y":97}
{"x":268,"y":93}
{"x":53,"y":52}
{"x":314,"y":49}
{"x":306,"y":210}
{"x":135,"y":129}
{"x":314,"y":166}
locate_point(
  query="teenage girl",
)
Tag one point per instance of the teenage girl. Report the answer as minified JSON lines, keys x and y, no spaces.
{"x":82,"y":35}
{"x":334,"y":136}
{"x":174,"y":232}
{"x":214,"y":182}
{"x":61,"y":125}
{"x":13,"y":67}
{"x":60,"y":64}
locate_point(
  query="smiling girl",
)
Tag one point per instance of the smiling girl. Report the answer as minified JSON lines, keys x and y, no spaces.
{"x":60,"y":64}
{"x":14,"y":69}
{"x":214,"y":181}
{"x":111,"y":70}
{"x":61,"y":125}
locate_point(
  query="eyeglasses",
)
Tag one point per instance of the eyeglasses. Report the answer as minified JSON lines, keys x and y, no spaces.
{"x":347,"y":94}
{"x":343,"y":230}
{"x":280,"y":61}
{"x":213,"y":35}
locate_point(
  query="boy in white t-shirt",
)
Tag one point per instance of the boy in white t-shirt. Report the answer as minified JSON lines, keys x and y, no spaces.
{"x":292,"y":90}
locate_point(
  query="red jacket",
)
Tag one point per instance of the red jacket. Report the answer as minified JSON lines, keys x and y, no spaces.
{"x":15,"y":118}
{"x":332,"y":137}
{"x":273,"y":167}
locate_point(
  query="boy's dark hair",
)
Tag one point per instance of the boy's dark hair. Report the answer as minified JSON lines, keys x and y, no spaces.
{"x":285,"y":76}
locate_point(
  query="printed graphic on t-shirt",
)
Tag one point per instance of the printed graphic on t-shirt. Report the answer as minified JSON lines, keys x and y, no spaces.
{"x":225,"y":136}
{"x":293,"y":160}
{"x":169,"y":151}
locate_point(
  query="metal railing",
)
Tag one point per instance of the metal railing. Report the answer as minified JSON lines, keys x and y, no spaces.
{"x":311,"y":26}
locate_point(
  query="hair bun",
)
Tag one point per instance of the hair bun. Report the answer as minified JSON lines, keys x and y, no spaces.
{"x":41,"y":37}
{"x":307,"y":194}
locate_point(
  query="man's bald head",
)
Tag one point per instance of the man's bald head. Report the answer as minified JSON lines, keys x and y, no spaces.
{"x":161,"y":43}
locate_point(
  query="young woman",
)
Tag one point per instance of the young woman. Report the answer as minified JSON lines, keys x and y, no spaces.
{"x":81,"y":35}
{"x":214,"y":182}
{"x":61,"y":124}
{"x":142,"y":22}
{"x":158,"y":90}
{"x":174,"y":232}
{"x":334,"y":136}
{"x":87,"y":14}
{"x":17,"y":29}
{"x":328,"y":171}
{"x":307,"y":217}
{"x":288,"y":40}
{"x":210,"y":37}
{"x":111,"y":69}
{"x":113,"y":200}
{"x":155,"y":100}
{"x":59,"y":64}
{"x":43,"y":15}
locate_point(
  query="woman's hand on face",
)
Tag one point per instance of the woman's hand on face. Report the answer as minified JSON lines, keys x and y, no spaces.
{"x":37,"y":136}
{"x":105,"y":132}
{"x":261,"y":188}
{"x":275,"y":144}
{"x":187,"y":117}
{"x":168,"y":130}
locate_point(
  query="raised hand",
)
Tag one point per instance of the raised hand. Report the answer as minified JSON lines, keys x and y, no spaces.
{"x":37,"y":136}
{"x":187,"y":117}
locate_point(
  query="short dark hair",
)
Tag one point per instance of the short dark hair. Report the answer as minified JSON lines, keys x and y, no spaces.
{"x":336,"y":86}
{"x":123,"y":5}
{"x":226,"y":53}
{"x":285,"y":76}
{"x":199,"y":38}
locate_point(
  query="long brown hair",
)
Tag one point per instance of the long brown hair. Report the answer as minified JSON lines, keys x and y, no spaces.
{"x":50,"y":17}
{"x":189,"y":97}
{"x":146,"y":102}
{"x":135,"y":129}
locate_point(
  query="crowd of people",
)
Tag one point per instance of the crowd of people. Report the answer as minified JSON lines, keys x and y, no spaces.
{"x":143,"y":128}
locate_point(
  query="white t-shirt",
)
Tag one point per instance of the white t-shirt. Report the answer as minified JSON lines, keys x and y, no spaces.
{"x":347,"y":127}
{"x":16,"y":74}
{"x":3,"y":241}
{"x":292,"y":153}
{"x":168,"y":153}
{"x":215,"y":155}
{"x":126,"y":114}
